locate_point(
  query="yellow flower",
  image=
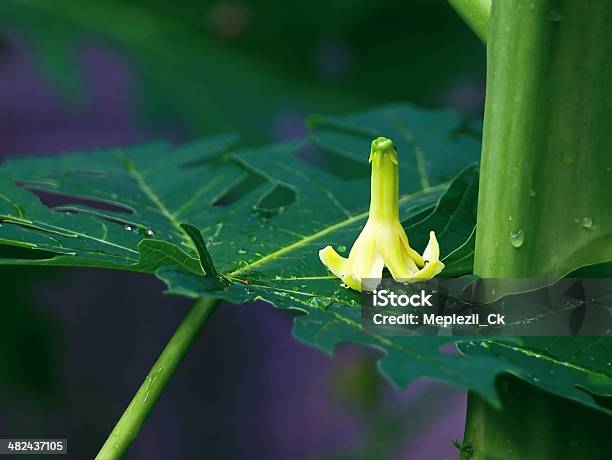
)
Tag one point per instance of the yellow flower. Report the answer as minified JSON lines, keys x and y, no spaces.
{"x":383,"y":241}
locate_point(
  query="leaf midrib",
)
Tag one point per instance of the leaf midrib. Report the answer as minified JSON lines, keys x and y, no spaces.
{"x":314,"y":236}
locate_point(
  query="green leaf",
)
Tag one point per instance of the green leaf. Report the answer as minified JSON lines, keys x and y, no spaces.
{"x":577,"y":368}
{"x":263,"y":215}
{"x":123,"y":223}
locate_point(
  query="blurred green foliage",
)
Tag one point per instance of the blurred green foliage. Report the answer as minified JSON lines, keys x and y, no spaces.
{"x":259,"y":67}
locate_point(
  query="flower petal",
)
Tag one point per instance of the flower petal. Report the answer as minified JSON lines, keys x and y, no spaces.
{"x":394,"y":253}
{"x":432,"y":251}
{"x":333,"y":261}
{"x":430,"y":270}
{"x":365,"y":261}
{"x":415,"y":256}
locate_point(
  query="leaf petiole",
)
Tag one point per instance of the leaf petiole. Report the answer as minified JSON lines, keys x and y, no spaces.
{"x":146,"y":397}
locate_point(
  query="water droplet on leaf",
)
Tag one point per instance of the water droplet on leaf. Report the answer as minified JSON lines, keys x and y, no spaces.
{"x":318,"y":302}
{"x":150,"y":233}
{"x":587,"y":222}
{"x":341,"y":248}
{"x":517,"y":238}
{"x":532,"y":192}
{"x":128,"y":227}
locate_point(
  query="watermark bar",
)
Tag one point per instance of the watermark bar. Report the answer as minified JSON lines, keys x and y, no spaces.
{"x":472,"y":306}
{"x":33,"y":446}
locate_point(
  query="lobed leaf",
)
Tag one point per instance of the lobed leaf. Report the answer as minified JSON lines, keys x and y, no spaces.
{"x":262,"y":215}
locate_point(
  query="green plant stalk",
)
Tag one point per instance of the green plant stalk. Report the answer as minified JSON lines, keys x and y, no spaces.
{"x":548,"y":430}
{"x":144,"y":401}
{"x":545,"y":196}
{"x":544,"y":205}
{"x":475,"y":13}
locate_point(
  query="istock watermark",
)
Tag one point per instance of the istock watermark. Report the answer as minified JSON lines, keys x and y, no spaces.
{"x":384,"y":298}
{"x":489,"y":307}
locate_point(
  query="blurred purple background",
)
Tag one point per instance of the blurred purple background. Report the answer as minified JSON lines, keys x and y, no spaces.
{"x":247,"y":389}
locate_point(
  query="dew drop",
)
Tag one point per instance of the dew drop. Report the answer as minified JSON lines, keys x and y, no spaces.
{"x":510,"y":218}
{"x":532,"y":192}
{"x":128,"y":227}
{"x":341,"y":248}
{"x":587,"y":222}
{"x":318,"y":302}
{"x":517,"y":238}
{"x":150,"y":233}
{"x":241,"y":251}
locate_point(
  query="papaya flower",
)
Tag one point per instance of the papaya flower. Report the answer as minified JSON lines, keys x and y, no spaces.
{"x":383,"y":241}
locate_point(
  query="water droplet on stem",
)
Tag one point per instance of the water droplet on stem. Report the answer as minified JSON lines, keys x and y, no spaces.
{"x":517,"y":238}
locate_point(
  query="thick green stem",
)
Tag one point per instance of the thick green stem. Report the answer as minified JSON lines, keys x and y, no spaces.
{"x":475,"y":13}
{"x":546,"y":170}
{"x":545,"y":196}
{"x":533,"y":424}
{"x":162,"y":371}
